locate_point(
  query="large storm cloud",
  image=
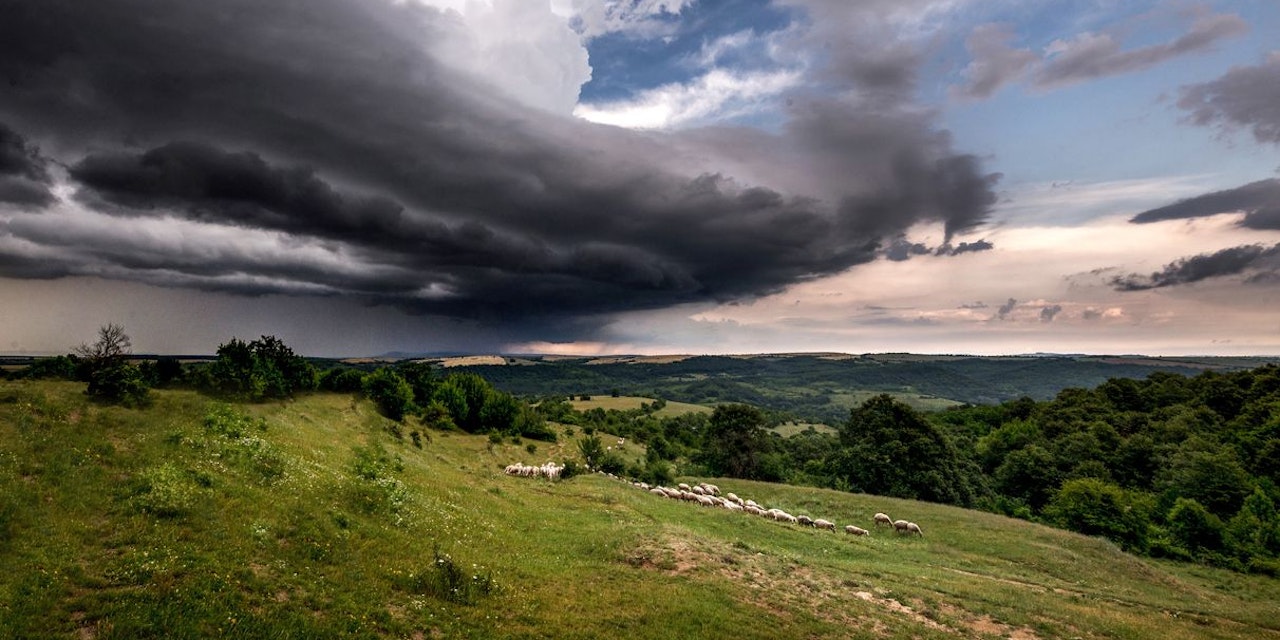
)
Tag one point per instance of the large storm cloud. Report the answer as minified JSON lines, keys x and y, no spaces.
{"x":327,"y":133}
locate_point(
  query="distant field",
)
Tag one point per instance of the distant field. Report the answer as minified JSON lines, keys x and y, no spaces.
{"x":789,"y":429}
{"x":321,"y":523}
{"x":626,"y":403}
{"x":918,"y":401}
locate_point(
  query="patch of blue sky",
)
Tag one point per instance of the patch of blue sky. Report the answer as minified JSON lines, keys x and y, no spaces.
{"x":624,"y":64}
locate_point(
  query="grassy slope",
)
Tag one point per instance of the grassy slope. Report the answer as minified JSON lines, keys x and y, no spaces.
{"x":304,"y":555}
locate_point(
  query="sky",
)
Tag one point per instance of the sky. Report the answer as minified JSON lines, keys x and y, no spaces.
{"x":358,"y":177}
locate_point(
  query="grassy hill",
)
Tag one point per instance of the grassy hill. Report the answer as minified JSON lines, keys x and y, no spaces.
{"x":312,"y":519}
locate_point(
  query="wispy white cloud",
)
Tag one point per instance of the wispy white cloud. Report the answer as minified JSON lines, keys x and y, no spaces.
{"x":717,"y":95}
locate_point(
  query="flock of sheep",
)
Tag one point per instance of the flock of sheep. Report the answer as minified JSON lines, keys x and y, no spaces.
{"x":708,"y":495}
{"x":550,"y":470}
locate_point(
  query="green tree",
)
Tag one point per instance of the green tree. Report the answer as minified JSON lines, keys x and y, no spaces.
{"x":1213,"y":476}
{"x":264,"y":368}
{"x":111,"y":378}
{"x":1097,"y":508}
{"x":734,"y":442}
{"x":1193,"y":527}
{"x":390,"y":392}
{"x":591,"y":450}
{"x":888,"y":448}
{"x":1029,"y":474}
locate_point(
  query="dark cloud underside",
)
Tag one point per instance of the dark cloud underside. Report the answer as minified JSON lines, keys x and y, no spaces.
{"x":1259,"y":261}
{"x":1259,"y":201}
{"x":24,"y":176}
{"x":326,"y":126}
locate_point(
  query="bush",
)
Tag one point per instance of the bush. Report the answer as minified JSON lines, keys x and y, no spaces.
{"x":119,"y":383}
{"x":1194,"y":528}
{"x":571,"y":469}
{"x":591,"y":451}
{"x":1094,"y":507}
{"x":447,"y":580}
{"x":376,"y":489}
{"x":342,"y":380}
{"x":390,"y":392}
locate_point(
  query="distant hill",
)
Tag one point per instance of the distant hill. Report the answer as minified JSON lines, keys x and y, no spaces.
{"x":823,"y":387}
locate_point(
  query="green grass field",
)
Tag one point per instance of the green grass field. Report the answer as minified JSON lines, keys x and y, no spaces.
{"x":319,"y":522}
{"x":626,"y":403}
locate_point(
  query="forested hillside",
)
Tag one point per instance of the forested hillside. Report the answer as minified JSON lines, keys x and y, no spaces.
{"x":817,"y":388}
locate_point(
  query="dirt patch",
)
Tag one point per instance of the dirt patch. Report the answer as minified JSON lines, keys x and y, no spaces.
{"x":899,"y":608}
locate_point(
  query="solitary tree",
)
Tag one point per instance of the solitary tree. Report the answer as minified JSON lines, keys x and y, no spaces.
{"x":111,"y":348}
{"x":110,"y":377}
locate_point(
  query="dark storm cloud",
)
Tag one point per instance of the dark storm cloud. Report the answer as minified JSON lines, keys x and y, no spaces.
{"x":1259,"y":261}
{"x":327,"y":124}
{"x":1090,"y":56}
{"x":902,"y":249}
{"x":964,"y":247}
{"x":1247,"y":97}
{"x":24,"y":174}
{"x":1260,"y":201}
{"x":1048,"y":313}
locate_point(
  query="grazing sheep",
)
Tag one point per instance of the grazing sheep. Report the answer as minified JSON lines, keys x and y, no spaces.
{"x":786,"y":517}
{"x":711,"y":488}
{"x":755,"y":511}
{"x":732,"y":506}
{"x":657,"y":491}
{"x":752,"y":503}
{"x":683,"y":486}
{"x":914,"y":528}
{"x":881,"y":518}
{"x":824,"y":524}
{"x":902,"y":526}
{"x":734,"y":497}
{"x":805,"y":520}
{"x":699,"y":490}
{"x":856,"y":531}
{"x":706,"y":501}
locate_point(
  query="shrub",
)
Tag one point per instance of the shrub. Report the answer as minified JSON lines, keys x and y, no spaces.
{"x":591,"y":451}
{"x":571,"y":469}
{"x":376,"y":490}
{"x":390,"y":392}
{"x":447,"y":580}
{"x":1095,"y":507}
{"x":119,"y":383}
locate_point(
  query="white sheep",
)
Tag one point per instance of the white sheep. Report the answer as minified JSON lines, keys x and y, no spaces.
{"x":699,"y":490}
{"x":755,"y":511}
{"x":706,"y":501}
{"x":824,"y":524}
{"x":753,"y":503}
{"x":902,"y":526}
{"x":881,"y":518}
{"x":683,"y":486}
{"x":734,"y":497}
{"x":856,"y":531}
{"x":711,"y":488}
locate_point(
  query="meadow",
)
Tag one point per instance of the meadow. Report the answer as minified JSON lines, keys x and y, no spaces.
{"x":317,"y":517}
